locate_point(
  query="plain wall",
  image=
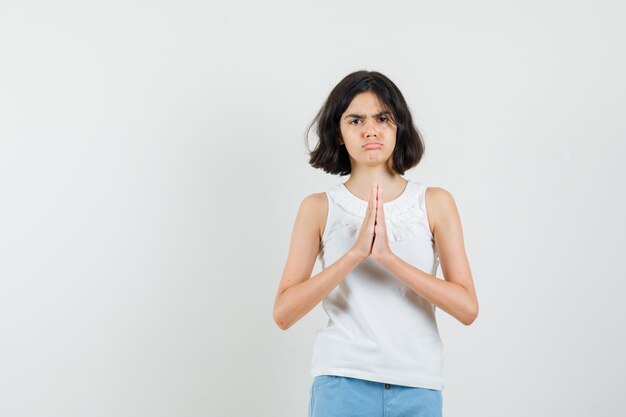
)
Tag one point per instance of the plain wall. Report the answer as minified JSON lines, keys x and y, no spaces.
{"x":152,"y":160}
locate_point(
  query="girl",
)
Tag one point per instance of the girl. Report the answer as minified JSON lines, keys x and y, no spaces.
{"x":380,"y":238}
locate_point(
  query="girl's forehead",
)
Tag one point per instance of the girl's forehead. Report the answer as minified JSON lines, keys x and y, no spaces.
{"x":366,"y":100}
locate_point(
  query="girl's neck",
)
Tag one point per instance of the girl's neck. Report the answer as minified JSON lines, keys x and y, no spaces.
{"x":361,"y":185}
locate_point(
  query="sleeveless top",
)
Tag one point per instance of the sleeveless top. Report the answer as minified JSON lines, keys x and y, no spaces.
{"x":378,"y":328}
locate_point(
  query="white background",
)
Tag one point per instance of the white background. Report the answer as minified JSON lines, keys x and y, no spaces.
{"x":152,"y":160}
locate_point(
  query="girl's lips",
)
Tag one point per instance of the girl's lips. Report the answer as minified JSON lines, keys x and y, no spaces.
{"x":373,"y":146}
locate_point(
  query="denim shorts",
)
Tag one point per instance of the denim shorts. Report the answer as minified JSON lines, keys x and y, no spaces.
{"x":340,"y":396}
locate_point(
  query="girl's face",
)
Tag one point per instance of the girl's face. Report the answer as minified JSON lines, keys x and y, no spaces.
{"x":368,"y":133}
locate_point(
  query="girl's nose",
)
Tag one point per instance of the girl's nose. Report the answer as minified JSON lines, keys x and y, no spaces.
{"x":370,"y":128}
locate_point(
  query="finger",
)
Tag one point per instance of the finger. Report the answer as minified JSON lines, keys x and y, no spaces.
{"x":379,"y":207}
{"x":373,"y":199}
{"x":370,"y":206}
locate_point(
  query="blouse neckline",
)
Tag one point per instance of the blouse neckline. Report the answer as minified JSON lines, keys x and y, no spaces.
{"x":396,"y":201}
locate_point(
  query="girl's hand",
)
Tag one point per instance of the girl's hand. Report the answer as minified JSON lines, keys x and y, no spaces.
{"x":380,"y":249}
{"x":363,"y":245}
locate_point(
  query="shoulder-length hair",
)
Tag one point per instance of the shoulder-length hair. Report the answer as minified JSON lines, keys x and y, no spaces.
{"x":331,"y":156}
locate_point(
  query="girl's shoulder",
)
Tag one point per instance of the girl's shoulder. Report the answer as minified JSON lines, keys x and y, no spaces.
{"x":314,"y":208}
{"x":440,"y":205}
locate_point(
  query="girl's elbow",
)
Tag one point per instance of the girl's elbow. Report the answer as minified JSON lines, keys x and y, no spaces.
{"x":471,"y":316}
{"x":280,"y":321}
{"x":281,"y":324}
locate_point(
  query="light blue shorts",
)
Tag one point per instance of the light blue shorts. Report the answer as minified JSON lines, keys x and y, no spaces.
{"x":340,"y":396}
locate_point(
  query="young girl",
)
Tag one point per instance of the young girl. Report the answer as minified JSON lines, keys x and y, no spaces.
{"x":380,"y":238}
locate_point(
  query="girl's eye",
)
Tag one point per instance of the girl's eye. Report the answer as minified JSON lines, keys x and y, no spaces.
{"x":382,"y":119}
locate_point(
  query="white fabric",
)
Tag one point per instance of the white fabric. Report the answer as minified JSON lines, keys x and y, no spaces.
{"x":378,"y":328}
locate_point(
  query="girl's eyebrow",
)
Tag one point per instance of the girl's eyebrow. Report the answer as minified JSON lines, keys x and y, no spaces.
{"x":382,"y":113}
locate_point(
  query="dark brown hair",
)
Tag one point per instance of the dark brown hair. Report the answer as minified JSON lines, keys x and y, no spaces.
{"x":331,"y":156}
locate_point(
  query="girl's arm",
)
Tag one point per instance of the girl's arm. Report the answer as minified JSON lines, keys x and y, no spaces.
{"x":455,"y":294}
{"x":298,"y":292}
